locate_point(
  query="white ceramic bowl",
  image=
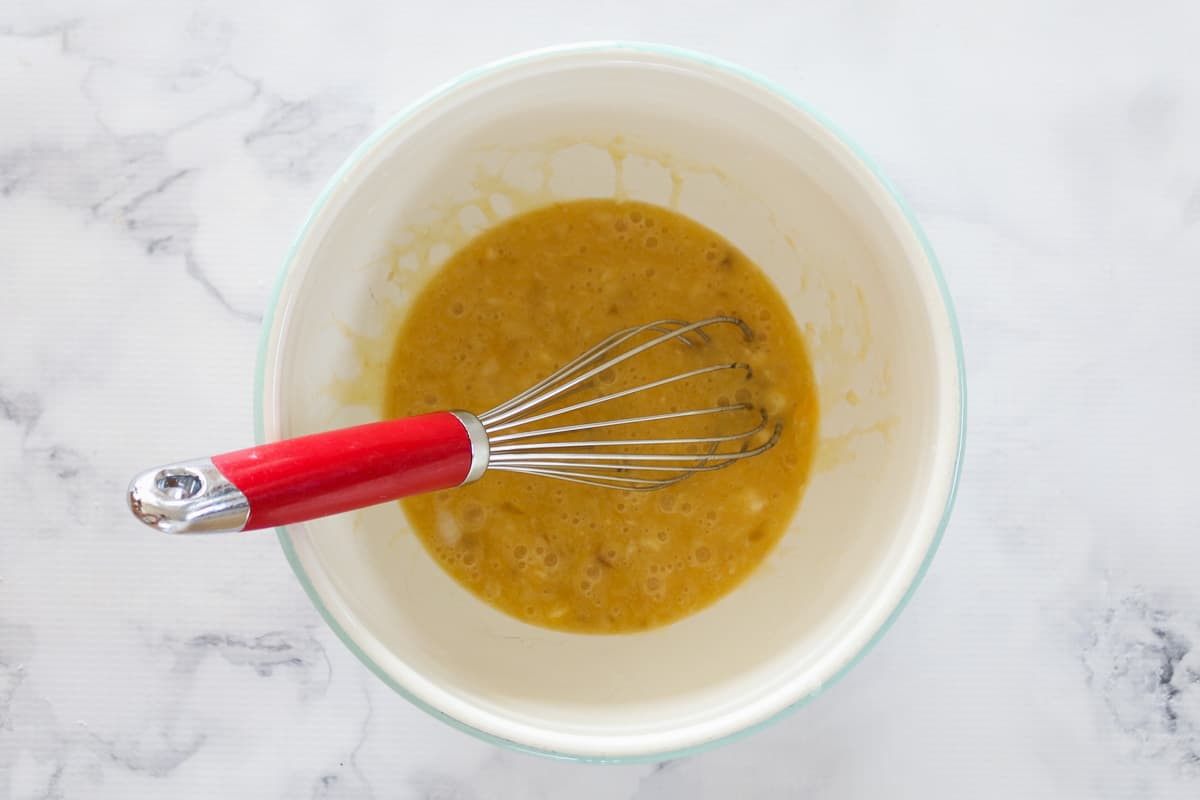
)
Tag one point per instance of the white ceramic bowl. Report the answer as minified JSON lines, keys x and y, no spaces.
{"x":739,"y":155}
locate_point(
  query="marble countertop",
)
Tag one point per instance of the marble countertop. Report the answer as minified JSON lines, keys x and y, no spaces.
{"x":155,"y":162}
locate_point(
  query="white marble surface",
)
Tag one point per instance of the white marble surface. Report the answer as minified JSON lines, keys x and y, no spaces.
{"x":155,"y":160}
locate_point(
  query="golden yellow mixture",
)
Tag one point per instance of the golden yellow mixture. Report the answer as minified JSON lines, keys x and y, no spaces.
{"x":531,"y":294}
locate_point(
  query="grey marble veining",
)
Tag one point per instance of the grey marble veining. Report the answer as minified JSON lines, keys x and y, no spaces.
{"x":155,"y":162}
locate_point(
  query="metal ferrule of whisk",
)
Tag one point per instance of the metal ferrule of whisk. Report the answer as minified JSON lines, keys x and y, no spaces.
{"x":299,"y":479}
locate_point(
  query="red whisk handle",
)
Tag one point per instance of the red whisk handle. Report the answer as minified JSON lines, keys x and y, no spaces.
{"x":313,"y":476}
{"x":328,"y":473}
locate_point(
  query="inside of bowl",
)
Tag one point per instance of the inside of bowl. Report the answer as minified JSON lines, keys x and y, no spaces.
{"x":765,"y":175}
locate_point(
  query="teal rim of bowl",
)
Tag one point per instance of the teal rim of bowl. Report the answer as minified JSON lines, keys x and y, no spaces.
{"x":772,"y":87}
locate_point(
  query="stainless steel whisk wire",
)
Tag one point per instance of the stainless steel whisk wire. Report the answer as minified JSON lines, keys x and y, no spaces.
{"x":561,"y":459}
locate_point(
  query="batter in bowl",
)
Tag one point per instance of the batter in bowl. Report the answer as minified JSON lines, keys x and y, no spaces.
{"x":532,"y":293}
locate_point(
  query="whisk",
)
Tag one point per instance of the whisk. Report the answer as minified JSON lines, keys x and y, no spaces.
{"x":327,"y":473}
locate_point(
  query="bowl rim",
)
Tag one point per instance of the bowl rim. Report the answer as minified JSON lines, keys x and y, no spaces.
{"x":609,"y":47}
